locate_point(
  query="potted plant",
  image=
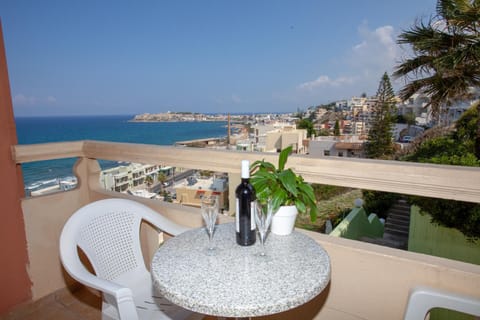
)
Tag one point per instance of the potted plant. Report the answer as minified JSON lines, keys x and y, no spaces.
{"x":287,"y":191}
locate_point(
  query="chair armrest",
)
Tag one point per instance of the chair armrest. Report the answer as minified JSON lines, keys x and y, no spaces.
{"x":106,"y":286}
{"x":423,"y":299}
{"x":118,"y":296}
{"x":75,"y":268}
{"x":164,"y":224}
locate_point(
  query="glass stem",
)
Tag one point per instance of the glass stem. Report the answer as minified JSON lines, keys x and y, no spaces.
{"x":262,"y":241}
{"x":210,"y":238}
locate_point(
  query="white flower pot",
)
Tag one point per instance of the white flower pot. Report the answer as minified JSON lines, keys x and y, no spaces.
{"x":283,"y":220}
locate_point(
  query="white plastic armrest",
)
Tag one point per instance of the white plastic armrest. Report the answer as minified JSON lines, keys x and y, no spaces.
{"x":125,"y":304}
{"x":112,"y":289}
{"x":84,"y":276}
{"x":123,"y":296}
{"x":164,"y":224}
{"x":423,"y":299}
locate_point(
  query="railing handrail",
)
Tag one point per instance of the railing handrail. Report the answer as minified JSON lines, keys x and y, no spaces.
{"x":438,"y":181}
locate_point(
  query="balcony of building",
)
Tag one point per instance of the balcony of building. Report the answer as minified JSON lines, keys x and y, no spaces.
{"x":367,"y":281}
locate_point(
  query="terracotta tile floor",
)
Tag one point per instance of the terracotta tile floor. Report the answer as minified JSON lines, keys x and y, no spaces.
{"x":62,"y":305}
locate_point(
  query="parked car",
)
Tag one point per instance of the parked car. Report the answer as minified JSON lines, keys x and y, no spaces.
{"x":407,"y":139}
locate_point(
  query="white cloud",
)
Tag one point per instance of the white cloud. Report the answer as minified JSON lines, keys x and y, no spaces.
{"x":325,"y":81}
{"x":24,"y":100}
{"x":377,"y":51}
{"x":362,"y":65}
{"x":236,"y":99}
{"x":51,"y":99}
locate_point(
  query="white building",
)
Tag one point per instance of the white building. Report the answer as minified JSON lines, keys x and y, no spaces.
{"x":273,"y":137}
{"x":132,"y":176}
{"x":192,"y":190}
{"x":330,"y":146}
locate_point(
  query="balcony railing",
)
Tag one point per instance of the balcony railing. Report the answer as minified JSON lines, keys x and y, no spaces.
{"x":368,"y":281}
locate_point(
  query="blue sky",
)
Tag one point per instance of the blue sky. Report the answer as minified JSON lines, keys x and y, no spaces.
{"x":130,"y":57}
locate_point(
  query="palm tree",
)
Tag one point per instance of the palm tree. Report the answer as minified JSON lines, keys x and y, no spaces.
{"x":149,"y":180}
{"x":162,"y":178}
{"x":446,"y":56}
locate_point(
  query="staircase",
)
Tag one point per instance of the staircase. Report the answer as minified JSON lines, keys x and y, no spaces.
{"x":396,"y":229}
{"x":398,"y":224}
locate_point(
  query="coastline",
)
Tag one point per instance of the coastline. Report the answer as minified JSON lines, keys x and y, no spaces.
{"x":188,"y":117}
{"x":176,"y":120}
{"x":115,"y":128}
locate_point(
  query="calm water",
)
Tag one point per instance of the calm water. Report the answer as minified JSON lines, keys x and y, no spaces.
{"x":104,"y":128}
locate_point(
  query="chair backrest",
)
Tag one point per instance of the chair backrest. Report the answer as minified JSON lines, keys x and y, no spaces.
{"x":107,"y":231}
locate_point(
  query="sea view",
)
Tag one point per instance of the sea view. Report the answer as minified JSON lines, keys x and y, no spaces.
{"x":118,"y":128}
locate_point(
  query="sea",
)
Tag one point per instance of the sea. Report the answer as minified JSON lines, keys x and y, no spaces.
{"x":116,"y":128}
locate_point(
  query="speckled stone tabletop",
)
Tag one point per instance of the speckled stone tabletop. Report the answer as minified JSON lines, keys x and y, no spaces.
{"x":235,"y":281}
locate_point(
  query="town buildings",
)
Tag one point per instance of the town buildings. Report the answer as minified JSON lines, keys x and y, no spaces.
{"x":191,"y":190}
{"x":132,"y":176}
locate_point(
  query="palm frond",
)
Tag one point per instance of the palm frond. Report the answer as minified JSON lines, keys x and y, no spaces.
{"x":419,"y":66}
{"x":447,"y":54}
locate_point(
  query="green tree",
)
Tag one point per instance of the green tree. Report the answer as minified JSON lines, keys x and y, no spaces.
{"x":380,"y":143}
{"x":149,"y":180}
{"x":336,"y":129}
{"x":378,"y":202}
{"x":308,"y":125}
{"x":446,"y":56}
{"x":162,"y":178}
{"x":455,"y":148}
{"x":323,"y":133}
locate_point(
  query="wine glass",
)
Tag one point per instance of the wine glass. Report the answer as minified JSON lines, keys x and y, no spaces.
{"x":209,"y":209}
{"x":263,"y":217}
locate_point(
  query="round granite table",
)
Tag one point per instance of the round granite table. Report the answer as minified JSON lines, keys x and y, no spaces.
{"x":235,"y":281}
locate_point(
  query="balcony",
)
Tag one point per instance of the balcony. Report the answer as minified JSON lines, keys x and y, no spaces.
{"x":368,"y":281}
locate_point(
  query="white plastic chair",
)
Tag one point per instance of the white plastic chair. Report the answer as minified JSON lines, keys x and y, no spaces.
{"x":108,"y":232}
{"x":423,"y":299}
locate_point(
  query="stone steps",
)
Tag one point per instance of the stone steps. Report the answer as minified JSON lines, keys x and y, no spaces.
{"x":397,"y":226}
{"x":398,"y":221}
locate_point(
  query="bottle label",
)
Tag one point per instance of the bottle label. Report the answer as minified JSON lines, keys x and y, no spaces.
{"x":252,"y":217}
{"x":237,"y":215}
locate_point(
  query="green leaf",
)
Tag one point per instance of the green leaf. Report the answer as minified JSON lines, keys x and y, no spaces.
{"x":261,"y":166}
{"x":260,"y":175}
{"x":282,"y":185}
{"x":308,"y":191}
{"x":313,"y":213}
{"x":279,"y":197}
{"x":300,"y":206}
{"x":289,"y":181}
{"x":282,"y":159}
{"x":263,"y":195}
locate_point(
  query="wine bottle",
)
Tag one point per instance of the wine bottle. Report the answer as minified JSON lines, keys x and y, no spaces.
{"x":245,"y":197}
